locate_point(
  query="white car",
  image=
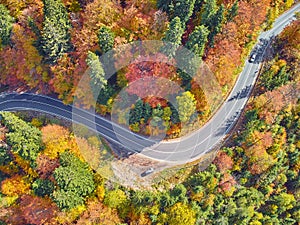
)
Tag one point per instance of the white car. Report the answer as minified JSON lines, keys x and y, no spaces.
{"x":252,"y":58}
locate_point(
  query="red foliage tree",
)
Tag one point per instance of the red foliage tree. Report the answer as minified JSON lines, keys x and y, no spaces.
{"x":151,"y":76}
{"x":36,"y":210}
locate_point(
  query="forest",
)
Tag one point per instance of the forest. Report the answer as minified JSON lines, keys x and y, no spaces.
{"x":254,"y":178}
{"x":47,"y":45}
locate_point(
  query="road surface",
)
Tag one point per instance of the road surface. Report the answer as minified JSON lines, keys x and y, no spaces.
{"x":182,"y":150}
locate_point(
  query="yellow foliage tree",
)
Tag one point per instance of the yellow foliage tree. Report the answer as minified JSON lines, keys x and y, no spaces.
{"x":15,"y":186}
{"x":57,"y":139}
{"x":179,"y":214}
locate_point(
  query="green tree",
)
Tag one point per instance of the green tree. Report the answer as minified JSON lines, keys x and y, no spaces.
{"x":215,"y":24}
{"x":186,"y":106}
{"x":166,"y":200}
{"x":164,"y":5}
{"x":209,"y":10}
{"x":67,"y":200}
{"x":106,"y":39}
{"x":197,"y":40}
{"x":157,"y":114}
{"x":142,"y":199}
{"x":136,"y":114}
{"x":198,"y":5}
{"x":189,"y":63}
{"x":73,"y":178}
{"x":167,"y":114}
{"x":182,"y":9}
{"x":6,"y":24}
{"x":179,"y":193}
{"x":23,"y":138}
{"x":273,"y":79}
{"x":5,"y":157}
{"x":147,"y":111}
{"x":42,"y":187}
{"x":284,"y":202}
{"x":141,"y":110}
{"x":55,"y":37}
{"x":96,"y":72}
{"x":173,"y":35}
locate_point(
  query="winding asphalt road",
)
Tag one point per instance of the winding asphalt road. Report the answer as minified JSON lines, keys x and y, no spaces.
{"x":182,"y":150}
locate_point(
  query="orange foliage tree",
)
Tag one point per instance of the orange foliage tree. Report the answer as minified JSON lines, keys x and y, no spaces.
{"x":99,"y":213}
{"x":223,"y":162}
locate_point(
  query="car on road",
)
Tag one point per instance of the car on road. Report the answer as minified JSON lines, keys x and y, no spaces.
{"x":252,"y":58}
{"x":147,"y":172}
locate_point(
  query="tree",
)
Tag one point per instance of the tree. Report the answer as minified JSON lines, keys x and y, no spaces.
{"x":115,"y":199}
{"x":157,"y":114}
{"x":209,"y":10}
{"x":189,"y":63}
{"x":6,"y":24}
{"x":197,"y":40}
{"x":215,"y":24}
{"x":74,"y":179}
{"x":45,"y":166}
{"x":173,"y":35}
{"x":137,"y":113}
{"x":23,"y":138}
{"x":182,"y":9}
{"x":142,"y":200}
{"x":56,"y":139}
{"x":55,"y":37}
{"x":37,"y":211}
{"x":67,"y":200}
{"x":164,"y":5}
{"x":284,"y":202}
{"x":180,"y":214}
{"x":186,"y":106}
{"x":42,"y":187}
{"x":223,"y":162}
{"x":15,"y":186}
{"x":179,"y":193}
{"x":5,"y":157}
{"x":98,"y":213}
{"x":275,"y":76}
{"x":96,"y":73}
{"x":167,"y":114}
{"x":105,"y":39}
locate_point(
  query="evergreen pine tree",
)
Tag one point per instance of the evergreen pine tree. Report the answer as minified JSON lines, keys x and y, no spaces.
{"x":215,"y":24}
{"x":173,"y":35}
{"x":55,"y":37}
{"x":6,"y":23}
{"x":183,"y":9}
{"x":96,"y":73}
{"x":197,"y":40}
{"x":209,"y":10}
{"x":105,"y":39}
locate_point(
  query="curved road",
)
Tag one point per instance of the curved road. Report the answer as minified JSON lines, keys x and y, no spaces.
{"x":182,"y":150}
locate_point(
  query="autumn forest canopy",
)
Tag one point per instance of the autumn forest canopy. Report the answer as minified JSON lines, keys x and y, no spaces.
{"x":47,"y":46}
{"x":48,"y":175}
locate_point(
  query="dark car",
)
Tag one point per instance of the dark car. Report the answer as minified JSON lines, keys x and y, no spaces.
{"x":147,"y":172}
